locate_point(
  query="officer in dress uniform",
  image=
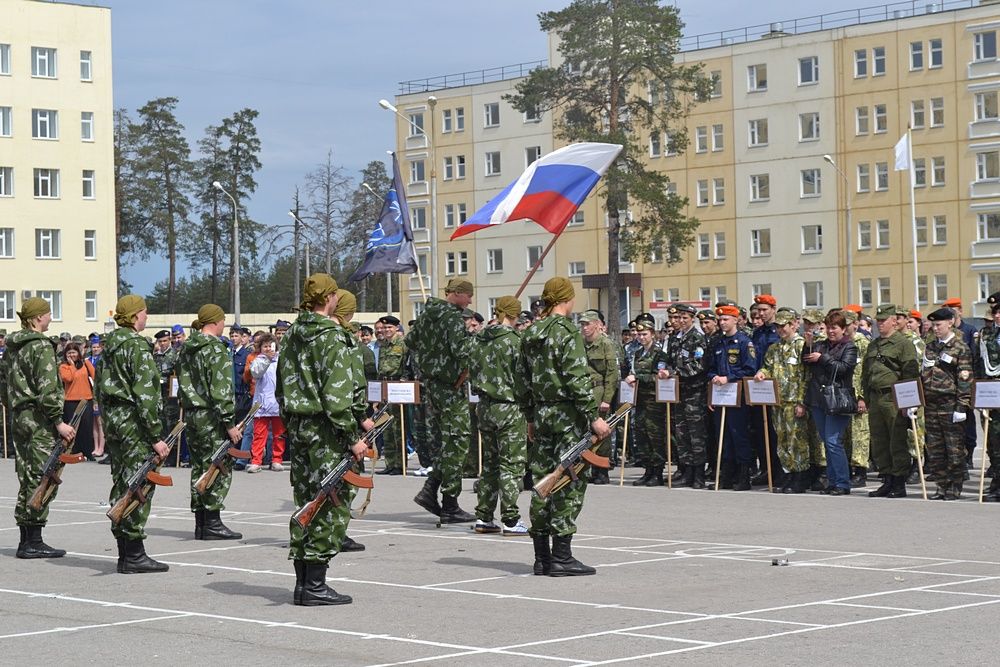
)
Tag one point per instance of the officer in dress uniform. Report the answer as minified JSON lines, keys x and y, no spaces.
{"x":733,"y":359}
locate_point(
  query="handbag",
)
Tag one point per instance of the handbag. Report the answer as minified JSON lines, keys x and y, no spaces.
{"x":838,"y":400}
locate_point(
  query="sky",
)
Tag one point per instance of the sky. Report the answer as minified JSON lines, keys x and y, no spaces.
{"x":316,"y":69}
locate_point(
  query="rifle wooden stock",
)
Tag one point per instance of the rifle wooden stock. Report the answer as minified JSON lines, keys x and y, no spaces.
{"x":58,"y":458}
{"x":328,"y":490}
{"x":144,"y":480}
{"x":208,"y":477}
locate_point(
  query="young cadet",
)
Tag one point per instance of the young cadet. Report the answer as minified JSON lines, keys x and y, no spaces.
{"x":733,"y":359}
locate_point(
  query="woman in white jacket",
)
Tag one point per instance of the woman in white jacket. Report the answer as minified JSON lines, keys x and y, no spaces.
{"x":264,"y":370}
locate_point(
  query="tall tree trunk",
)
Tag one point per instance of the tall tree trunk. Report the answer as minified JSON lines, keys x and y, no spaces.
{"x":171,"y":243}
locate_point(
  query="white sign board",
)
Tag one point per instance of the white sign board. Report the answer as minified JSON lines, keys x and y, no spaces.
{"x":666,"y":391}
{"x":724,"y":395}
{"x":402,"y":393}
{"x":374,"y":392}
{"x":908,"y":394}
{"x":986,"y":394}
{"x":764,"y":392}
{"x":626,"y":393}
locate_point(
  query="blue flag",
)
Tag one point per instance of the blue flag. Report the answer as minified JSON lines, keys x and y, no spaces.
{"x":390,"y":246}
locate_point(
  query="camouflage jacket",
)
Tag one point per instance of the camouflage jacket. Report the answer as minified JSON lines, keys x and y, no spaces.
{"x":359,"y":400}
{"x":887,"y":361}
{"x":497,"y":364}
{"x":368,"y":361}
{"x":686,"y":355}
{"x":316,"y":372}
{"x":166,"y":362}
{"x":554,"y":362}
{"x":946,"y":373}
{"x":29,"y":376}
{"x":205,"y":377}
{"x":783,"y":364}
{"x":988,"y":359}
{"x":390,"y":359}
{"x":126,"y":373}
{"x":645,"y":366}
{"x":602,"y":363}
{"x":861,"y":342}
{"x":443,"y":346}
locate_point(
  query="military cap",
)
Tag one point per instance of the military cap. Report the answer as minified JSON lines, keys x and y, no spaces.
{"x":994,"y":299}
{"x":812,"y":315}
{"x":679,"y":308}
{"x":849,"y":316}
{"x":853,"y":307}
{"x":3,"y":332}
{"x":706,"y":315}
{"x":478,"y":317}
{"x":885,"y":311}
{"x":725,"y":302}
{"x":645,"y":326}
{"x":389,"y":319}
{"x":65,"y":335}
{"x":590,"y":316}
{"x":411,"y":323}
{"x":765,"y":299}
{"x":784,"y":317}
{"x":941,"y":315}
{"x":537,"y":304}
{"x":162,"y":333}
{"x":281,"y":324}
{"x":177,"y":329}
{"x":367,"y":329}
{"x":731,"y":311}
{"x":953,"y":302}
{"x":526,"y":316}
{"x":789,"y":309}
{"x":916,"y":314}
{"x":458,"y":286}
{"x":645,"y":317}
{"x":902,"y":311}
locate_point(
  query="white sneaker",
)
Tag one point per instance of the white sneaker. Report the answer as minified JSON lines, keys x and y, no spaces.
{"x":277,"y":467}
{"x":486,"y":528}
{"x":517,"y":529}
{"x":253,"y":467}
{"x":422,"y":472}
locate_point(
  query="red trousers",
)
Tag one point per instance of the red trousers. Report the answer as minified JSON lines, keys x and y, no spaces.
{"x":261,"y":426}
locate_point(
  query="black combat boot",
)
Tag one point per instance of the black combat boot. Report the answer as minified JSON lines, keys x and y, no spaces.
{"x":350,"y":545}
{"x":760,"y":479}
{"x":680,"y":474}
{"x":993,"y":493}
{"x":941,"y":493}
{"x":563,"y":563}
{"x":882,"y":491}
{"x":315,"y":592}
{"x":300,"y":575}
{"x":790,"y":479}
{"x":898,"y":489}
{"x":727,"y":476}
{"x":452,"y":513}
{"x":860,"y":477}
{"x":656,"y":478}
{"x":599,"y":476}
{"x":819,"y":479}
{"x":697,"y":477}
{"x":199,"y":524}
{"x":543,"y":555}
{"x":687,"y":479}
{"x":214,"y":529}
{"x":955,"y":493}
{"x":427,"y":498}
{"x":32,"y":546}
{"x":645,"y":477}
{"x":134,"y":559}
{"x":742,"y":478}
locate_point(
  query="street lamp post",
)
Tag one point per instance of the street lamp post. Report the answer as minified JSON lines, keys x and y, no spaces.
{"x":847,"y":231}
{"x":297,"y":239}
{"x":388,"y":276}
{"x":236,"y":251}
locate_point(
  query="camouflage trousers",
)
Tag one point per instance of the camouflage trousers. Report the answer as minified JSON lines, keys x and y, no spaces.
{"x":472,"y":457}
{"x":169,"y":415}
{"x":448,"y":428}
{"x":945,"y":448}
{"x":557,"y":428}
{"x":417,"y":416}
{"x":205,"y":434}
{"x":317,"y":449}
{"x":889,"y":440}
{"x":651,"y":432}
{"x":33,"y":442}
{"x":392,"y":447}
{"x":793,"y":438}
{"x":128,"y":450}
{"x":857,"y":441}
{"x":690,"y":427}
{"x":504,"y":431}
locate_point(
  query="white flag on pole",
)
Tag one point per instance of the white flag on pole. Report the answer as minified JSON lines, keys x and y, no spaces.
{"x":903,"y":153}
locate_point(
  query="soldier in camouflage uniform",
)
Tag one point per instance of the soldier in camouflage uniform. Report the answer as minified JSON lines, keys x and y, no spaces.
{"x":165,"y":358}
{"x":650,"y":416}
{"x":205,"y":381}
{"x":318,"y":391}
{"x":783,"y":364}
{"x":857,"y":437}
{"x":560,"y":406}
{"x":946,"y":375}
{"x":709,"y":323}
{"x":500,"y":387}
{"x":32,"y":392}
{"x":916,"y":438}
{"x":444,"y":353}
{"x":988,"y":368}
{"x":392,"y":350}
{"x":602,"y":364}
{"x":127,"y":387}
{"x":686,"y":350}
{"x":426,"y":450}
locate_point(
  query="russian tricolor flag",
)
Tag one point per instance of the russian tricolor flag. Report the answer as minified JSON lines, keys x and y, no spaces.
{"x":549,"y":191}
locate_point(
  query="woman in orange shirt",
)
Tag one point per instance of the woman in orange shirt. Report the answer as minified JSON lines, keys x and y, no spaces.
{"x":77,"y":376}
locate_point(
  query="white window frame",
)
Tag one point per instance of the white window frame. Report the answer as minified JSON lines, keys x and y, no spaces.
{"x":701,"y":139}
{"x":492,"y":163}
{"x":416,"y":124}
{"x":54,"y":299}
{"x":7,"y":305}
{"x":48,"y":243}
{"x":90,"y":305}
{"x":6,"y":121}
{"x":987,"y":105}
{"x":938,"y":173}
{"x":654,"y":145}
{"x":988,"y":226}
{"x":46,"y":183}
{"x":883,"y":287}
{"x":494,"y":260}
{"x":86,"y":126}
{"x":940,"y":287}
{"x":418,"y":172}
{"x":989,"y":283}
{"x":86,"y":66}
{"x":860,"y":63}
{"x":864,"y":178}
{"x":6,"y":243}
{"x":449,"y":216}
{"x":459,"y":167}
{"x":445,"y":121}
{"x":812,"y":239}
{"x":883,"y":235}
{"x":760,"y":187}
{"x":918,"y":115}
{"x":578,"y":268}
{"x":987,"y":166}
{"x":937,"y":112}
{"x":862,"y":117}
{"x":701,"y":192}
{"x":811,"y":189}
{"x":4,"y":59}
{"x":878,"y":61}
{"x":984,"y":46}
{"x":817,"y":287}
{"x":90,"y":244}
{"x":89,"y":184}
{"x":6,"y":181}
{"x":716,"y":84}
{"x":448,"y":170}
{"x":718,"y":137}
{"x":919,"y":172}
{"x":881,"y":176}
{"x":577,"y":220}
{"x":757,"y":134}
{"x":760,"y":242}
{"x":865,"y":292}
{"x":809,"y":67}
{"x":920,"y":230}
{"x":922,"y":290}
{"x":45,"y":124}
{"x":935,"y":47}
{"x":939,"y":230}
{"x":809,"y":126}
{"x":755,"y":82}
{"x":532,"y":253}
{"x":418,"y":217}
{"x":881,"y":119}
{"x":916,"y":56}
{"x":44,"y":62}
{"x":459,"y":119}
{"x":718,"y":191}
{"x":719,"y":245}
{"x":491,"y":114}
{"x":533,"y":115}
{"x":704,"y":246}
{"x":864,"y":235}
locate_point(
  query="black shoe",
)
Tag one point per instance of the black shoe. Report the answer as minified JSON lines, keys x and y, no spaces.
{"x":599,"y":476}
{"x":819,"y":483}
{"x":929,"y":477}
{"x":563,"y":563}
{"x":882,"y":491}
{"x":315,"y":592}
{"x":214,"y":529}
{"x":655,"y":479}
{"x":390,"y":471}
{"x":427,"y":498}
{"x":134,"y":559}
{"x":680,"y":474}
{"x":528,"y":483}
{"x":898,"y":487}
{"x":698,"y":479}
{"x":452,"y":513}
{"x":350,"y":545}
{"x":543,"y":555}
{"x":686,"y":480}
{"x":860,"y":478}
{"x":300,"y":575}
{"x":791,"y":479}
{"x":106,"y":461}
{"x":32,"y":546}
{"x":760,"y":479}
{"x":742,"y":479}
{"x":837,"y":491}
{"x":645,"y":477}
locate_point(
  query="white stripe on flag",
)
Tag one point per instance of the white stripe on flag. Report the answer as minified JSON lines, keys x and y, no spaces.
{"x":903,"y":153}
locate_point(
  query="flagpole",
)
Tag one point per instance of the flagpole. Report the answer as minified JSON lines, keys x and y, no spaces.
{"x":913,"y":219}
{"x":534,"y":268}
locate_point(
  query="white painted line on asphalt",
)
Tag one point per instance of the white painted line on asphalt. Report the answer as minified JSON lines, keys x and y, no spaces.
{"x":871,"y":568}
{"x":60,"y":525}
{"x":92,"y":627}
{"x":870,"y":606}
{"x":668,"y":639}
{"x":230,"y":548}
{"x":774,"y":620}
{"x":978,"y":595}
{"x":906,"y":568}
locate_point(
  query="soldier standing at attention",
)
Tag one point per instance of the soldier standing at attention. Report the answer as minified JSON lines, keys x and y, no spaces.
{"x":988,"y":368}
{"x":206,"y":394}
{"x":165,"y":358}
{"x":316,"y":390}
{"x":946,"y":374}
{"x":31,"y":390}
{"x":967,"y":332}
{"x":392,"y":349}
{"x":890,"y":358}
{"x":764,"y":336}
{"x":650,"y":416}
{"x":602,"y":363}
{"x":560,"y":406}
{"x":444,"y":352}
{"x":686,"y":360}
{"x":127,"y":387}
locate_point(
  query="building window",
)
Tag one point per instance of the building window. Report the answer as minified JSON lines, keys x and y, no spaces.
{"x":88,"y":183}
{"x":6,"y":181}
{"x":87,"y":125}
{"x":47,"y":244}
{"x":921,"y":290}
{"x":811,"y":183}
{"x":920,"y":227}
{"x":90,"y":305}
{"x":884,"y":286}
{"x":812,"y":239}
{"x":654,"y":144}
{"x":456,"y":263}
{"x":416,"y":123}
{"x":758,"y":132}
{"x":46,"y":183}
{"x":655,"y":257}
{"x":940,"y":231}
{"x":881,"y":119}
{"x":460,"y":119}
{"x":940,"y":288}
{"x":812,"y":294}
{"x":446,"y":121}
{"x":7,"y":305}
{"x":44,"y":124}
{"x":937,"y":111}
{"x":705,"y":294}
{"x":701,"y":196}
{"x":718,"y":191}
{"x":6,"y":242}
{"x":988,"y":226}
{"x":757,"y":78}
{"x":809,"y":126}
{"x":449,"y":215}
{"x":5,"y":59}
{"x":716,"y":83}
{"x":669,"y":149}
{"x":718,"y":138}
{"x":808,"y":70}
{"x":416,"y":171}
{"x":878,"y":61}
{"x":491,"y":114}
{"x":720,"y":245}
{"x":701,"y":139}
{"x":760,"y":288}
{"x":881,"y":234}
{"x":673,"y":294}
{"x":54,"y":299}
{"x":760,"y":242}
{"x":577,"y":268}
{"x":860,"y":63}
{"x":671,"y":189}
{"x":703,"y":246}
{"x":865,"y":292}
{"x":916,"y":55}
{"x":881,"y":176}
{"x":984,"y":46}
{"x":861,"y":121}
{"x":760,"y":187}
{"x":919,"y":172}
{"x":460,"y":166}
{"x":6,"y":122}
{"x":90,"y":244}
{"x":865,"y":235}
{"x":986,"y":106}
{"x":864,"y":178}
{"x":917,"y":114}
{"x":493,"y":163}
{"x":531,"y":153}
{"x":988,"y":166}
{"x":533,"y":115}
{"x":937,"y":171}
{"x":653,"y":92}
{"x":937,"y":53}
{"x":494,"y":260}
{"x":86,"y":66}
{"x":534,"y":253}
{"x":989,"y":283}
{"x":577,"y":219}
{"x":418,"y":217}
{"x":43,"y":62}
{"x":449,"y":169}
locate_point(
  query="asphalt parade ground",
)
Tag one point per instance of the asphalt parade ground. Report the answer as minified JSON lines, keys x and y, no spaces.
{"x":684,"y":577}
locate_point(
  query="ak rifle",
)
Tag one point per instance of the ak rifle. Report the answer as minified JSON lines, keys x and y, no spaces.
{"x":222,"y":455}
{"x":144,"y":480}
{"x":60,"y":456}
{"x":573,"y":459}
